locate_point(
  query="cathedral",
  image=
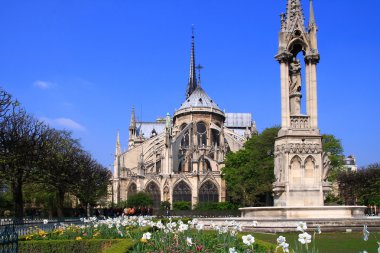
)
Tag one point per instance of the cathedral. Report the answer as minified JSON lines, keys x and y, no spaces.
{"x":180,"y":157}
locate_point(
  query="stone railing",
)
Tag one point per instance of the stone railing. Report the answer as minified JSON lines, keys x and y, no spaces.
{"x":300,"y":122}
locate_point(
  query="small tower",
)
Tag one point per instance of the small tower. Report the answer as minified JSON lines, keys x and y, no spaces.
{"x":132,"y":129}
{"x":301,"y":167}
{"x":192,"y":84}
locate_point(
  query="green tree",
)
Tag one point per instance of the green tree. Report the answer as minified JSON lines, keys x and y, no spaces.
{"x":140,"y":199}
{"x":249,"y":171}
{"x":333,"y":146}
{"x":361,"y":187}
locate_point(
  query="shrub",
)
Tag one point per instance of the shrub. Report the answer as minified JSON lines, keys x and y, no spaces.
{"x":63,"y":246}
{"x":140,"y":199}
{"x":216,"y":206}
{"x":182,"y":205}
{"x":123,"y":246}
{"x":164,"y":205}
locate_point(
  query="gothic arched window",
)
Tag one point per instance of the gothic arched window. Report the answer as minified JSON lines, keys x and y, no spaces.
{"x":182,"y":192}
{"x":215,"y":137}
{"x":208,"y":192}
{"x":132,"y":190}
{"x":186,"y":137}
{"x":202,"y":134}
{"x":154,"y":191}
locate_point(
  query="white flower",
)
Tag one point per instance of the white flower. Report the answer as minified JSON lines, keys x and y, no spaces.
{"x":248,"y":240}
{"x":45,"y":221}
{"x":189,"y":241}
{"x":232,"y":250}
{"x":285,"y":247}
{"x":301,"y":226}
{"x":281,"y":240}
{"x":166,"y":231}
{"x":304,"y":238}
{"x":254,"y":223}
{"x":365,"y":233}
{"x":147,"y":236}
{"x":183,"y":227}
{"x":199,"y":226}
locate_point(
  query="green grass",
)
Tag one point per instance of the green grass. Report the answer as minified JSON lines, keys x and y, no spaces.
{"x":338,"y":242}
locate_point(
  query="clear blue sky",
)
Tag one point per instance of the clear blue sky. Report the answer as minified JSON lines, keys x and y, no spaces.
{"x":82,"y":64}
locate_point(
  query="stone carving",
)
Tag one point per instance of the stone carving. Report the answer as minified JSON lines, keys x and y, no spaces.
{"x":278,"y":168}
{"x":326,"y":166}
{"x":302,"y":148}
{"x":295,"y":87}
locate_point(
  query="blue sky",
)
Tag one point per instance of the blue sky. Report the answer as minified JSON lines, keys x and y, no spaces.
{"x":82,"y":64}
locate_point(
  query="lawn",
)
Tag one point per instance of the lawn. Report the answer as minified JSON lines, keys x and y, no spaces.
{"x":338,"y":242}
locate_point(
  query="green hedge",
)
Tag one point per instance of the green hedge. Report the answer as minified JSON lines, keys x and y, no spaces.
{"x":64,"y":246}
{"x":216,"y":206}
{"x":123,"y":246}
{"x":182,"y":205}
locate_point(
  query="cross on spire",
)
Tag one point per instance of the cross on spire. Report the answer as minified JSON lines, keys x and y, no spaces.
{"x":199,"y":67}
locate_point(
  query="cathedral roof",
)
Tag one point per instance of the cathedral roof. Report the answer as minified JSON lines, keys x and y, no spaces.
{"x":199,"y":98}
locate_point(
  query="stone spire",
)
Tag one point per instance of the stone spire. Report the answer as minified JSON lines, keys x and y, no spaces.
{"x":118,"y":148}
{"x":132,"y":124}
{"x":312,"y":23}
{"x":192,"y":84}
{"x":294,"y":14}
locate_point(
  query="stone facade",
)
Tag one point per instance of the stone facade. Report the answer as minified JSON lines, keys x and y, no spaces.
{"x":180,"y":158}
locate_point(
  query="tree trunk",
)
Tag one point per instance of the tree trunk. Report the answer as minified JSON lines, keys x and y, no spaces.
{"x":60,"y":198}
{"x":18,"y":198}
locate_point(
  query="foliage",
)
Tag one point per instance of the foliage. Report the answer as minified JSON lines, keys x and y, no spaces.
{"x":64,"y":246}
{"x":139,"y":199}
{"x":182,"y":205}
{"x":123,"y":246}
{"x":361,"y":187}
{"x":48,"y":161}
{"x":249,"y":171}
{"x":333,"y":146}
{"x":216,"y":206}
{"x":165,"y":205}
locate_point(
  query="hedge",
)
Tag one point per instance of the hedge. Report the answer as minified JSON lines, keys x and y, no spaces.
{"x":64,"y":246}
{"x":123,"y":246}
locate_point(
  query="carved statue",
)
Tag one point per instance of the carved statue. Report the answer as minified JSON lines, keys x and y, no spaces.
{"x":278,"y":168}
{"x":326,"y":165}
{"x":295,"y":77}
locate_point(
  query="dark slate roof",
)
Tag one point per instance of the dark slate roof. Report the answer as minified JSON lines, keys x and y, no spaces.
{"x":199,"y":98}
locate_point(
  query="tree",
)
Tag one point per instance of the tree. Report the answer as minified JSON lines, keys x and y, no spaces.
{"x":333,"y":146}
{"x":140,"y":199}
{"x":21,"y":139}
{"x":361,"y":187}
{"x":92,"y":180}
{"x":249,"y":171}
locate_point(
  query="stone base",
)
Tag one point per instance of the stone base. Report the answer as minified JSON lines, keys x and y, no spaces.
{"x":303,"y":212}
{"x":289,"y":225}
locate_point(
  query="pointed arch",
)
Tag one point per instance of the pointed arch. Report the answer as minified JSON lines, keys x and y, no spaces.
{"x":132,"y":189}
{"x":154,"y":190}
{"x":182,"y":192}
{"x":309,"y":175}
{"x":295,"y":171}
{"x":208,"y":192}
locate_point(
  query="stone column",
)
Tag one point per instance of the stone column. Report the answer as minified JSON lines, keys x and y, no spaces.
{"x":285,"y":112}
{"x":308,"y":89}
{"x":313,"y":104}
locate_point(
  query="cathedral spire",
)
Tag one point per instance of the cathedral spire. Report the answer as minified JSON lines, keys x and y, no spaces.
{"x":132,"y":124}
{"x":192,"y":84}
{"x":118,"y":149}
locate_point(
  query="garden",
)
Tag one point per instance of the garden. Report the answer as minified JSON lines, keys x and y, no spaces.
{"x":147,"y":234}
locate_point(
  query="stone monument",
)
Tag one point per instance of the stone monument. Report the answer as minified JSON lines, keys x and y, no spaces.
{"x":301,"y":167}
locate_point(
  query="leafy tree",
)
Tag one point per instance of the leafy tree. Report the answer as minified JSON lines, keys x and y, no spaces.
{"x":140,"y":199}
{"x":361,"y":187}
{"x":333,"y":146}
{"x":92,"y":180}
{"x":21,"y":139}
{"x":249,"y":171}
